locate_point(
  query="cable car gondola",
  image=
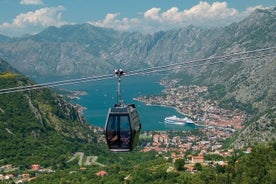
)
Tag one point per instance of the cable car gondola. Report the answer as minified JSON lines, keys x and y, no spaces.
{"x":122,"y":127}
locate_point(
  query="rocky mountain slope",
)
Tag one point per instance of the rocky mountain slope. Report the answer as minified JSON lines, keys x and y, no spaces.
{"x":261,"y":129}
{"x":249,"y":83}
{"x":85,"y":50}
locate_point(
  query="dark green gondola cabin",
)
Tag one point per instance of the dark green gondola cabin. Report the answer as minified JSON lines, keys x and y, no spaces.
{"x":122,"y":128}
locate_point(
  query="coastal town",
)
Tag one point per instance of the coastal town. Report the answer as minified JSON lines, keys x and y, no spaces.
{"x":215,"y":123}
{"x":189,"y":101}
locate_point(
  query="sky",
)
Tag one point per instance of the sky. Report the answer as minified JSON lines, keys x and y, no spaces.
{"x":20,"y":17}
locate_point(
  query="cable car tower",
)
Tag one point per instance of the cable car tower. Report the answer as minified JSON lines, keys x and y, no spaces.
{"x":122,"y":127}
{"x":119,"y":73}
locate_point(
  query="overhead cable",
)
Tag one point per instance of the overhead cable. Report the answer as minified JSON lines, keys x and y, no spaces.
{"x":162,"y":68}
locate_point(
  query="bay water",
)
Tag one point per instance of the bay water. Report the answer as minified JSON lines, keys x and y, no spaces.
{"x":101,"y":95}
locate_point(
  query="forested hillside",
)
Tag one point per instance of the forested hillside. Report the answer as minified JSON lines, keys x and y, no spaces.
{"x":38,"y":126}
{"x":256,"y":167}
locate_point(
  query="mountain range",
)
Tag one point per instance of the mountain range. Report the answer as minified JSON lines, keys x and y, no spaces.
{"x":85,"y":50}
{"x":82,"y":49}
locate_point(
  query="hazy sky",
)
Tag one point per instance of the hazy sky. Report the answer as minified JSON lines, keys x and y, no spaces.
{"x":18,"y":17}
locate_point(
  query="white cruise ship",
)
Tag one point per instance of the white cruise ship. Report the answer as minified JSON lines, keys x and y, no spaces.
{"x":178,"y":121}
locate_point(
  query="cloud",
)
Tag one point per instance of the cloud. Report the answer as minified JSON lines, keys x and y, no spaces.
{"x":203,"y":14}
{"x":198,"y":14}
{"x":153,"y":14}
{"x":31,"y":2}
{"x":155,"y":19}
{"x":211,"y":11}
{"x":111,"y":21}
{"x":33,"y":20}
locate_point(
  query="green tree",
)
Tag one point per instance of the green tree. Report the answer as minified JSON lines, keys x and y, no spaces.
{"x":258,"y":167}
{"x":179,"y":164}
{"x":208,"y":175}
{"x":198,"y":167}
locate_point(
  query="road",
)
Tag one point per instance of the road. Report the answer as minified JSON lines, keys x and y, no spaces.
{"x":90,"y":160}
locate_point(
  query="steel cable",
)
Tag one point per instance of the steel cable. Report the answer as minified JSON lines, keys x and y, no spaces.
{"x":150,"y":70}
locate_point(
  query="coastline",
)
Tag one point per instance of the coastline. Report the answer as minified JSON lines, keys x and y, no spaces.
{"x":75,"y":95}
{"x":188,"y":99}
{"x":148,"y":104}
{"x":100,"y":98}
{"x":167,"y":106}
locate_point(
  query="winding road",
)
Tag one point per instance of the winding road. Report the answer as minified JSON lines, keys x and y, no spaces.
{"x":90,"y":160}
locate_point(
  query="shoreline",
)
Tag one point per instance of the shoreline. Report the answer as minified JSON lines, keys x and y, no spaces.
{"x":167,"y":106}
{"x":175,"y":108}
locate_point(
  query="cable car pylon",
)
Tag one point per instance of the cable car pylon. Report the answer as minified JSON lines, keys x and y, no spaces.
{"x":122,"y":127}
{"x":118,"y":74}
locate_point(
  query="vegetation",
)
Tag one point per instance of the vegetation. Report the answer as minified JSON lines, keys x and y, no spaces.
{"x":259,"y":167}
{"x":231,"y":103}
{"x":51,"y":139}
{"x":185,"y":79}
{"x":216,"y":92}
{"x":8,"y":75}
{"x":38,"y":126}
{"x":41,"y":127}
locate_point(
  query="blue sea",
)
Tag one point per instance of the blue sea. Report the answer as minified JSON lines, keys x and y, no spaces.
{"x":103,"y":94}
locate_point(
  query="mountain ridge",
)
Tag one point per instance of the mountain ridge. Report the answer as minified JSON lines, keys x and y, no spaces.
{"x":79,"y":50}
{"x":86,"y":50}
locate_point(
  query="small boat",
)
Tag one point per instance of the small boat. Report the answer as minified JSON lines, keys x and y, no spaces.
{"x":178,"y":121}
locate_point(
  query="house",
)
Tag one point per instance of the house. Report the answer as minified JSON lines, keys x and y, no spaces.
{"x":6,"y":167}
{"x":190,"y":168}
{"x":35,"y":167}
{"x":197,"y":159}
{"x":23,"y":180}
{"x":101,"y":173}
{"x":248,"y":150}
{"x":25,"y":175}
{"x":163,"y":138}
{"x":222,"y":163}
{"x":9,"y":176}
{"x":177,"y":156}
{"x":176,"y":139}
